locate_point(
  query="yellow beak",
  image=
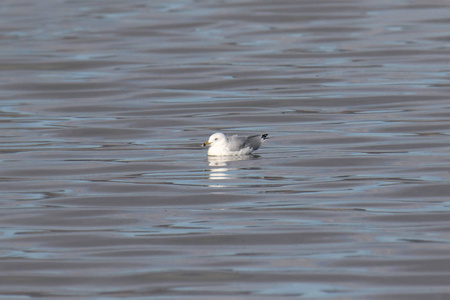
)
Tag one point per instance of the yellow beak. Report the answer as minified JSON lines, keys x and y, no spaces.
{"x":206,"y":144}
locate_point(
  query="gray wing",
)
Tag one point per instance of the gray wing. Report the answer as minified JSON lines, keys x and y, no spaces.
{"x":238,"y":143}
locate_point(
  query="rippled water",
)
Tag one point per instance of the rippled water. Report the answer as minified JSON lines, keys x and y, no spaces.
{"x":106,"y":193}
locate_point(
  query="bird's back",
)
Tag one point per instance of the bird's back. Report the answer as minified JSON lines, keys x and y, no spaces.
{"x":252,"y":142}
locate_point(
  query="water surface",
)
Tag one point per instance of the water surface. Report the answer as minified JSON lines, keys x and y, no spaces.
{"x":106,"y":193}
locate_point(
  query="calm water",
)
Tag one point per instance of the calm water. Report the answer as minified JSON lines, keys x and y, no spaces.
{"x":105,"y":192}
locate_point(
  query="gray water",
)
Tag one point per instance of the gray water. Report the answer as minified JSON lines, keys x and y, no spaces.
{"x":105,"y":192}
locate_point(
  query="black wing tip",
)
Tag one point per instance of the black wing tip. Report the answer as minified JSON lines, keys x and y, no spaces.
{"x":265,"y":136}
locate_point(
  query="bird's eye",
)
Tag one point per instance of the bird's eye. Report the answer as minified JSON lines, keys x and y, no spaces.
{"x":216,"y":139}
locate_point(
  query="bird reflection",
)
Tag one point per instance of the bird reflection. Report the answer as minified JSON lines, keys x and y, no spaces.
{"x":219,"y":167}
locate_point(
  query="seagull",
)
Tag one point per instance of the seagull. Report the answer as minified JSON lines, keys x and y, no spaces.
{"x":222,"y":145}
